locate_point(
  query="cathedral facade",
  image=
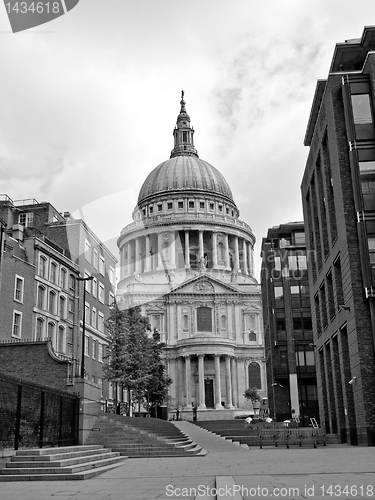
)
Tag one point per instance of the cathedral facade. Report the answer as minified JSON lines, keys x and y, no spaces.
{"x":187,"y":259}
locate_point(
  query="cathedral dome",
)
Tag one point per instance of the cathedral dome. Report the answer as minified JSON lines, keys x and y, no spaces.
{"x":184,"y":173}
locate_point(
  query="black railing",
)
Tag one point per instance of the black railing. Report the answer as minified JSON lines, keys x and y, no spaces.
{"x":33,"y":416}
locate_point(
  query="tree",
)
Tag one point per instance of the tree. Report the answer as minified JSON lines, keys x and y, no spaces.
{"x":157,"y":387}
{"x":133,"y":359}
{"x":252,"y":394}
{"x":128,"y":354}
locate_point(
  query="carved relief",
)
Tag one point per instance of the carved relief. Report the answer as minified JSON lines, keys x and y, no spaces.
{"x":203,"y":286}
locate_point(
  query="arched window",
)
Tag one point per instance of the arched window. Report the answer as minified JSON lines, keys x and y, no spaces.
{"x":41,"y":297}
{"x":223,"y":322}
{"x":252,"y":336}
{"x":52,"y":302}
{"x":53,"y":272}
{"x":185,"y":321}
{"x":61,"y":340}
{"x":204,"y":319}
{"x":63,"y":278}
{"x":39,"y":328}
{"x":254,"y":375}
{"x":62,"y":307}
{"x":51,"y":333}
{"x":42,"y":266}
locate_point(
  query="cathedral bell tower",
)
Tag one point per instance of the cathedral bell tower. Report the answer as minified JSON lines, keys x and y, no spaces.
{"x":183,"y":134}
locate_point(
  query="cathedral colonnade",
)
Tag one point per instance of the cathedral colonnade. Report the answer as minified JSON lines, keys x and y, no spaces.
{"x":210,"y":380}
{"x":187,"y":249}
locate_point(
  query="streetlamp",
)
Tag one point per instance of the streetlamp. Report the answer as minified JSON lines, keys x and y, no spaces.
{"x":88,"y":278}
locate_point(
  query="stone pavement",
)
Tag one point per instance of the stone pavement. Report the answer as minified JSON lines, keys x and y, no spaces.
{"x":335,"y":471}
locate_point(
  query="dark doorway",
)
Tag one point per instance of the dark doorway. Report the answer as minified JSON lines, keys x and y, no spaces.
{"x":209,"y":393}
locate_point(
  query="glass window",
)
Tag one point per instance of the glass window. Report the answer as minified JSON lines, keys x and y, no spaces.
{"x":299,"y":238}
{"x":88,"y":251}
{"x":52,"y":302}
{"x":254,"y":375}
{"x":95,"y":287}
{"x":87,"y":345}
{"x":26,"y":219}
{"x":94,"y":318}
{"x":61,"y":340}
{"x":201,"y":205}
{"x":212,"y":206}
{"x":277,"y":263}
{"x":100,"y":352}
{"x":191,"y":204}
{"x":278,"y":290}
{"x":160,"y":207}
{"x":39,"y":328}
{"x":101,"y":293}
{"x":62,"y":307}
{"x":42,"y":266}
{"x":18,"y":289}
{"x":169,"y":205}
{"x":72,"y":282}
{"x":204,"y":319}
{"x":17,"y":324}
{"x":102,"y":265}
{"x":151,"y":209}
{"x":71,"y":310}
{"x":96,"y":259}
{"x":53,"y":272}
{"x":51,"y":332}
{"x":361,"y":108}
{"x":63,"y":278}
{"x":101,"y":322}
{"x":180,"y":204}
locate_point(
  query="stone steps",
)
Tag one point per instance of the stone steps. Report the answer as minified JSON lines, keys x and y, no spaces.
{"x":57,"y":464}
{"x":136,"y":437}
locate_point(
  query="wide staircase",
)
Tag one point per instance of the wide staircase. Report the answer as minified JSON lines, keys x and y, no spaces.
{"x":59,"y":464}
{"x":244,"y":434}
{"x":142,"y":437}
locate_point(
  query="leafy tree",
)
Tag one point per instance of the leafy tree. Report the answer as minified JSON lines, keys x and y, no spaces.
{"x":133,"y":359}
{"x":157,"y":387}
{"x":253,"y":394}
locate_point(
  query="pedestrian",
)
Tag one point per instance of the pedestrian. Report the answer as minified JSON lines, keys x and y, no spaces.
{"x":177,"y":414}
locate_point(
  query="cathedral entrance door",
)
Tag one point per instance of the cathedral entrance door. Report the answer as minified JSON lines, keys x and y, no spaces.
{"x":209,"y":393}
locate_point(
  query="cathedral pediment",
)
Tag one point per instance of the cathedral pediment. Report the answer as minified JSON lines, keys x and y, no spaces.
{"x":204,"y":285}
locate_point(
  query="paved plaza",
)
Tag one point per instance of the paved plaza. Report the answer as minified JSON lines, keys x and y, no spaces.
{"x":335,"y":471}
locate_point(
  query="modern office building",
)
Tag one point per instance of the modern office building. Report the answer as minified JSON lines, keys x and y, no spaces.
{"x":338,"y":195}
{"x":188,"y":260}
{"x":288,"y":336}
{"x":44,"y":254}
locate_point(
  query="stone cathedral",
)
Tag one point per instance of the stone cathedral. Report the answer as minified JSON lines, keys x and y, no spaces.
{"x":187,"y":259}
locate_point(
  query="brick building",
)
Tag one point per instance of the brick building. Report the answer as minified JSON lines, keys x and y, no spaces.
{"x":291,"y":376}
{"x":338,"y":195}
{"x":43,"y":254}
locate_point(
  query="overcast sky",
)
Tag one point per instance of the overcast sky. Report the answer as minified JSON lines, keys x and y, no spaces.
{"x":89,"y":101}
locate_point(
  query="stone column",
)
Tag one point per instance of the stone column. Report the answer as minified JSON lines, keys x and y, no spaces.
{"x":202,"y":403}
{"x":251,"y":260}
{"x":244,"y":251}
{"x":217,"y":383}
{"x":188,"y":382}
{"x":226,"y":243}
{"x":233,"y":371}
{"x":214,"y":249}
{"x":160,"y":266}
{"x":137,"y":261}
{"x":180,"y":390}
{"x":236,"y":255}
{"x":201,"y":246}
{"x":229,"y":383}
{"x":148,"y":255}
{"x":172,"y":248}
{"x":187,"y":250}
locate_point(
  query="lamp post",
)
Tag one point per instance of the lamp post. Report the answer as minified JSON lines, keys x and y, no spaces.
{"x":88,"y":278}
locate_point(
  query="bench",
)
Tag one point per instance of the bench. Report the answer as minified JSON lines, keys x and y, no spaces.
{"x":291,"y":436}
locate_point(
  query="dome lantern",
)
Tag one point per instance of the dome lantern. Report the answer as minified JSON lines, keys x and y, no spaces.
{"x":183,"y":133}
